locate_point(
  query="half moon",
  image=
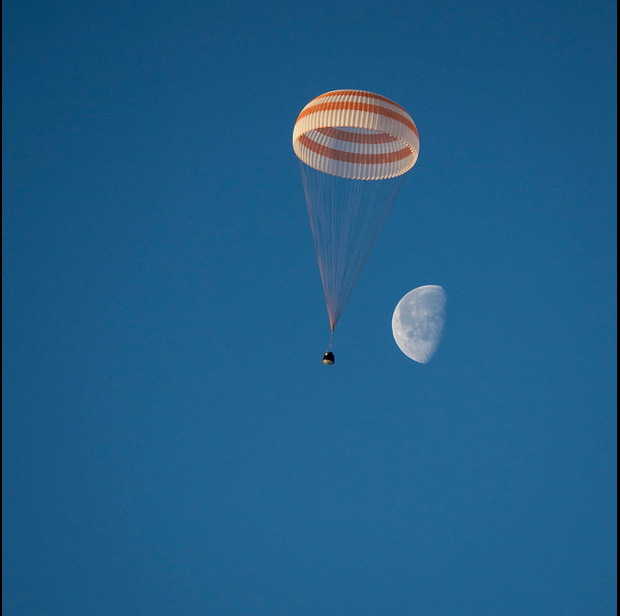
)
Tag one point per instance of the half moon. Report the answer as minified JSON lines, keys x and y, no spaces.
{"x":418,"y":321}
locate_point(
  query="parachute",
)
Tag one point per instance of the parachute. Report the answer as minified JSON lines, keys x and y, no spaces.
{"x":354,"y":148}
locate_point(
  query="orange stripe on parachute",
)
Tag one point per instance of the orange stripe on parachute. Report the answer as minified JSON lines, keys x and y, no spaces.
{"x":377,"y":97}
{"x":353,"y":157}
{"x":349,"y":105}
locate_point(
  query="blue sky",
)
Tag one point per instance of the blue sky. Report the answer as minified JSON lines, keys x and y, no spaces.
{"x":172,"y":443}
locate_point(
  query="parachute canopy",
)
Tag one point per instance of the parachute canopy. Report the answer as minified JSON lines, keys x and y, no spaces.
{"x":354,"y":147}
{"x":356,"y":134}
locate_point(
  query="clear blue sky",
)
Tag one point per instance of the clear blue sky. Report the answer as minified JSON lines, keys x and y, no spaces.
{"x":173,"y":445}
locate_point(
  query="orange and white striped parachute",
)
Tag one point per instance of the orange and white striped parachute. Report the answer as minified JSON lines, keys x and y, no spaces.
{"x":356,"y":134}
{"x":345,"y":140}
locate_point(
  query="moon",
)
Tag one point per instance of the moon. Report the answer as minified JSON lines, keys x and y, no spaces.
{"x":418,"y":320}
